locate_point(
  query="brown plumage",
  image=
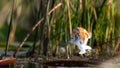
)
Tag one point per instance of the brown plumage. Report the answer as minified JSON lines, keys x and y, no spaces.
{"x":83,"y":34}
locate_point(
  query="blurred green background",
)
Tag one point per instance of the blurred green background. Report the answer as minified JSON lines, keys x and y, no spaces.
{"x":101,"y":17}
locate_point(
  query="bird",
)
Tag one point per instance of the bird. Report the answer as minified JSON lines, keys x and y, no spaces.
{"x":82,"y":33}
{"x":80,"y":38}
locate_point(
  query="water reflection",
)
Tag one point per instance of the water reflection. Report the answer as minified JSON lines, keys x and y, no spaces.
{"x":35,"y":65}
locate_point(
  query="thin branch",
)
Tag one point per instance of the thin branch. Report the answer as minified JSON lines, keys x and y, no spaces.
{"x":34,"y":27}
{"x":58,"y":5}
{"x":27,"y":36}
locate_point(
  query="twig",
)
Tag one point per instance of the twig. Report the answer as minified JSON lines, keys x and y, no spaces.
{"x":34,"y":27}
{"x":58,"y":5}
{"x":27,"y":36}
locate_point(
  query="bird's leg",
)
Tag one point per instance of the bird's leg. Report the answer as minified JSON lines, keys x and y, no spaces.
{"x":67,"y":52}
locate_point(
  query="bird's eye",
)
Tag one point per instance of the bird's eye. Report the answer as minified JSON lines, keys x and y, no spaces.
{"x":76,"y":37}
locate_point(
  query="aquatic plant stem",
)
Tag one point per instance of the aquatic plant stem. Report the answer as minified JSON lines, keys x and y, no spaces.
{"x":9,"y":29}
{"x":69,"y":16}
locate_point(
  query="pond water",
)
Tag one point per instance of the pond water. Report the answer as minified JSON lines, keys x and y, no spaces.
{"x":36,"y":63}
{"x":55,"y":63}
{"x":64,"y":63}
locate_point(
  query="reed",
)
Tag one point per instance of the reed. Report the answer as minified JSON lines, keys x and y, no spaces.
{"x":56,"y":28}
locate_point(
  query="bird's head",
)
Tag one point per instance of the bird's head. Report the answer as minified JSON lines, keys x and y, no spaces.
{"x":80,"y":34}
{"x":75,"y":38}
